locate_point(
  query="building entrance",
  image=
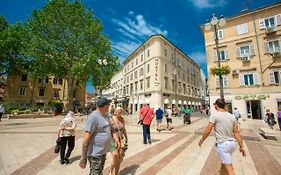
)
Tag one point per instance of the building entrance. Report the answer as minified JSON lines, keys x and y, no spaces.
{"x":254,"y":109}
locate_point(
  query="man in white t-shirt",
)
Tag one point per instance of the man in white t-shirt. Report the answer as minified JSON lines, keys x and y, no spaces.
{"x":169,"y":118}
{"x":236,"y":114}
{"x":227,"y":134}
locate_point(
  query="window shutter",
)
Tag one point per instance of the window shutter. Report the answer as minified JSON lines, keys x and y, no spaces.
{"x":238,"y":52}
{"x":245,"y":28}
{"x":225,"y":81}
{"x":238,"y":29}
{"x":241,"y":78}
{"x":217,"y":81}
{"x":262,"y":24}
{"x":278,"y":19}
{"x":252,"y":50}
{"x":271,"y":78}
{"x":266,"y":47}
{"x":226,"y":54}
{"x":215,"y":56}
{"x":221,"y":34}
{"x":256,"y":78}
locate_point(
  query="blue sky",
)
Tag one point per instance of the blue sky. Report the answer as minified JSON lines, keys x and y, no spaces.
{"x":128,"y":23}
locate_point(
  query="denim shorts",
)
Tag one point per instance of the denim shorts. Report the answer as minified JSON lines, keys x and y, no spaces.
{"x":96,"y":164}
{"x":225,"y":150}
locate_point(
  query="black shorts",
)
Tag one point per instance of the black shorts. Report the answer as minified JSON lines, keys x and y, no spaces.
{"x":169,"y":120}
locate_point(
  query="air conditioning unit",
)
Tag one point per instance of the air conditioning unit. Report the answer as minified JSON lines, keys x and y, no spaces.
{"x":245,"y":58}
{"x":276,"y":54}
{"x":270,"y":29}
{"x":235,"y":71}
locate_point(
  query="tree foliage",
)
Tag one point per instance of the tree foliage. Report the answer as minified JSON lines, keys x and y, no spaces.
{"x":13,"y":44}
{"x":66,"y":41}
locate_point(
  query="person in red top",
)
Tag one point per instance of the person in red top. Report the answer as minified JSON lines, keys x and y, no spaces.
{"x":146,"y":114}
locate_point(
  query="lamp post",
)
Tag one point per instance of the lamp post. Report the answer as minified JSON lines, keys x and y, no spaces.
{"x":102,"y":62}
{"x":216,"y":24}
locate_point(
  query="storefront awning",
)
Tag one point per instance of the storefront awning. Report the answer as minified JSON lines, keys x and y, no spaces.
{"x":174,"y":102}
{"x":185,"y":102}
{"x":180,"y":102}
{"x":189,"y":103}
{"x":166,"y":101}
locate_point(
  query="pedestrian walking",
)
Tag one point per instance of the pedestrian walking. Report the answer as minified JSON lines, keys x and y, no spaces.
{"x":97,"y":138}
{"x":236,"y":114}
{"x":187,"y":116}
{"x":182,"y":111}
{"x":270,"y":118}
{"x":118,"y":128}
{"x":146,"y":114}
{"x":1,"y":111}
{"x":169,"y":118}
{"x":279,"y":117}
{"x":227,"y":134}
{"x":66,"y":135}
{"x":159,"y":116}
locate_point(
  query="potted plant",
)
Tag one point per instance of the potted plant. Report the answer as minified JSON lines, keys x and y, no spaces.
{"x":223,"y":70}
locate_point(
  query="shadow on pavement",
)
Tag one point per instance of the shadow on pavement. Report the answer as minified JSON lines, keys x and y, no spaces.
{"x":130,"y":170}
{"x":76,"y":158}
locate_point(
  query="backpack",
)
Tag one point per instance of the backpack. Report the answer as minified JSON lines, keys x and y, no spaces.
{"x":187,"y":111}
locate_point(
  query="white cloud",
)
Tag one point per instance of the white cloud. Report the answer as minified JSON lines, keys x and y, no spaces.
{"x":202,"y":4}
{"x":133,"y":29}
{"x":198,"y":57}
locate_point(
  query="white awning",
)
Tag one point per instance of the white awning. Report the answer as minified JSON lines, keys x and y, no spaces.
{"x":185,"y":102}
{"x":189,"y":103}
{"x":140,"y":101}
{"x":196,"y":103}
{"x":180,"y":102}
{"x":174,"y":102}
{"x":193,"y":103}
{"x":166,"y":101}
{"x":199,"y":103}
{"x":136,"y":102}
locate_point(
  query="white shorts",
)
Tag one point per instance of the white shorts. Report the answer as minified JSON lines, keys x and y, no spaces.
{"x":225,"y":150}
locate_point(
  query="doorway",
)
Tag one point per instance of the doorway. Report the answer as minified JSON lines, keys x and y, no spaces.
{"x":254,"y":109}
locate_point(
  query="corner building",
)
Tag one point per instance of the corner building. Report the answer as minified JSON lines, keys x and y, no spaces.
{"x":161,"y":74}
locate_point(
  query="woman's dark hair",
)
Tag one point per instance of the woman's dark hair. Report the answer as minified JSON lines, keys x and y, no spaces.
{"x":220,"y":103}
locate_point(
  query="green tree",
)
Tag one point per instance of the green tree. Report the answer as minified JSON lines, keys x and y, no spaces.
{"x":66,"y":42}
{"x":13,"y":40}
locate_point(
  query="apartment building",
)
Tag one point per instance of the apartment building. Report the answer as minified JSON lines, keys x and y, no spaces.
{"x":26,"y":90}
{"x":159,"y":73}
{"x":250,"y":44}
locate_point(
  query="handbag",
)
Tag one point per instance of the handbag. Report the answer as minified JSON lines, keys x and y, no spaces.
{"x":140,"y":122}
{"x":122,"y":139}
{"x":58,"y":145}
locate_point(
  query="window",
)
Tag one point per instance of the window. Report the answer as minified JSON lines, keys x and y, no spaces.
{"x":166,"y":83}
{"x":127,"y":89}
{"x":220,"y":34}
{"x":41,"y":92}
{"x":183,"y":76}
{"x":165,"y":68}
{"x":184,"y":88}
{"x":165,"y":52}
{"x":131,"y":76}
{"x":223,"y":55}
{"x":242,"y":29}
{"x":173,"y":85}
{"x":57,"y":81}
{"x":141,"y":84}
{"x":272,"y":21}
{"x":132,"y":64}
{"x":224,"y":81}
{"x":43,"y":80}
{"x":245,"y":51}
{"x":147,"y":53}
{"x":22,"y":91}
{"x":248,"y":79}
{"x":179,"y":87}
{"x":188,"y":88}
{"x":136,"y":61}
{"x":56,"y":93}
{"x":131,"y":88}
{"x":147,"y":68}
{"x":136,"y":74}
{"x":136,"y":86}
{"x":141,"y":71}
{"x":23,"y":77}
{"x":269,"y":22}
{"x":275,"y":77}
{"x":124,"y":90}
{"x":272,"y":46}
{"x":148,"y":82}
{"x":141,"y":57}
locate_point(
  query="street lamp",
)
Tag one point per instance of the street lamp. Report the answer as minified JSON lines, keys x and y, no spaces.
{"x":102,"y":62}
{"x":217,"y":24}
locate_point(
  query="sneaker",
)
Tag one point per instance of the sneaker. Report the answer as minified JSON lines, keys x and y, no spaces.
{"x":62,"y":161}
{"x":149,"y":141}
{"x":66,"y":160}
{"x":144,"y":142}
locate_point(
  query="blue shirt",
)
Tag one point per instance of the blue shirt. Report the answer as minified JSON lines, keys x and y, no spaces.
{"x":159,"y":114}
{"x":99,"y":127}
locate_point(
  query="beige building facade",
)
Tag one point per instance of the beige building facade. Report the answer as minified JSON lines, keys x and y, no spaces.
{"x":159,"y":73}
{"x":250,"y":44}
{"x":25,"y":90}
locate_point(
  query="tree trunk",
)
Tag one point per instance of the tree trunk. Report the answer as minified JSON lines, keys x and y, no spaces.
{"x":70,"y":90}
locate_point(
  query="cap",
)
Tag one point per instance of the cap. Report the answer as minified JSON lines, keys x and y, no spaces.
{"x":102,"y":102}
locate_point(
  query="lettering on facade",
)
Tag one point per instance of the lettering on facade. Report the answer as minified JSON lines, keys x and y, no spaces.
{"x":156,"y":78}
